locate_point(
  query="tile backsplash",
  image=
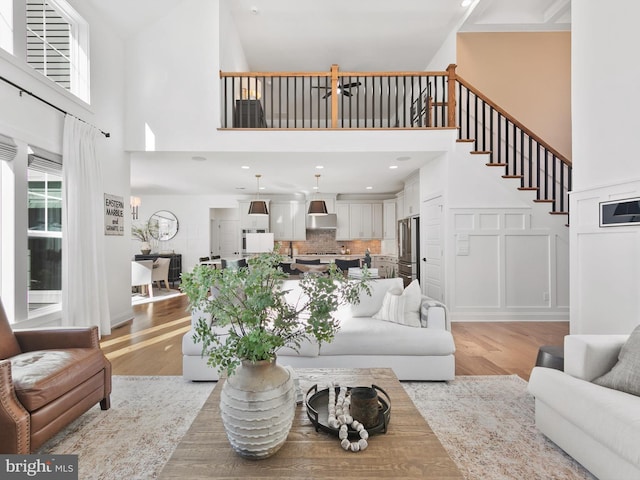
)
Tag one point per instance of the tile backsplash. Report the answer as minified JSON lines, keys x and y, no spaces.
{"x":324,"y":241}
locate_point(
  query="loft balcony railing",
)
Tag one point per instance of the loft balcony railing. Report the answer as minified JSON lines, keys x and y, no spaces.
{"x":401,"y":100}
{"x":337,"y":100}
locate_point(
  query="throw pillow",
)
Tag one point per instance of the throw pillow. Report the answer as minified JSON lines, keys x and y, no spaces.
{"x":413,"y":300}
{"x":392,"y":309}
{"x":625,"y":375}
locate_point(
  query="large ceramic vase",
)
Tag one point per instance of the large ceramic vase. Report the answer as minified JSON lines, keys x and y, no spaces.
{"x":257,"y":404}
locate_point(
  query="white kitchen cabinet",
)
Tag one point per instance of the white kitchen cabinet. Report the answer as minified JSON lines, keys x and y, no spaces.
{"x":287,"y":221}
{"x":365,"y":220}
{"x":412,"y":197}
{"x":299,"y":220}
{"x":248,"y":222}
{"x":377,"y":220}
{"x":361,"y":220}
{"x":343,"y":230}
{"x":400,"y":206}
{"x":387,"y":265}
{"x":389,"y":220}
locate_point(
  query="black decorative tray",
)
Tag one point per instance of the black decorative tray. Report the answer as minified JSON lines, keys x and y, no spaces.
{"x":318,"y":410}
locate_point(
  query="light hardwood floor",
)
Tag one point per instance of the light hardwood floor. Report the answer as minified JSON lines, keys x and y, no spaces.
{"x":151,"y":344}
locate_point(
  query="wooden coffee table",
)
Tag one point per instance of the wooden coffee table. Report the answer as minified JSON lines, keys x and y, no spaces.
{"x":408,"y":450}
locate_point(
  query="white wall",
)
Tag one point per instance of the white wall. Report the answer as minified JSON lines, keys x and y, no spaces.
{"x":605,"y":262}
{"x":194,"y":214}
{"x":172,"y":70}
{"x":232,"y":58}
{"x":31,"y":122}
{"x":517,"y":265}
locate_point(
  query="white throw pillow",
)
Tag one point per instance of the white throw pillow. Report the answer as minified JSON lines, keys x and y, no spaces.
{"x":392,"y":308}
{"x":412,"y":303}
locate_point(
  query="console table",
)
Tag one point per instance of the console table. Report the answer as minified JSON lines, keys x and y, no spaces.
{"x":175,"y":267}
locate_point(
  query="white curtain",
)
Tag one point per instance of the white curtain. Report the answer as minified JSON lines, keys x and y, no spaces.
{"x":84,"y":281}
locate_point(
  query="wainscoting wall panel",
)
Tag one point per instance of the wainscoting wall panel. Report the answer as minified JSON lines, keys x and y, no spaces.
{"x":471,"y":289}
{"x":605,"y":264}
{"x":508,"y":264}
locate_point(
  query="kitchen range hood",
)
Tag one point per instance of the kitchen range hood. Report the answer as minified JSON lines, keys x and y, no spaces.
{"x":322,"y":222}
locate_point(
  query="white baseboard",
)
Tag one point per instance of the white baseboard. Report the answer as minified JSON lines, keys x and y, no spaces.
{"x":509,"y":316}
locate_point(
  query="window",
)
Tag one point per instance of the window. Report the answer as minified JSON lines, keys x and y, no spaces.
{"x":49,"y":42}
{"x":53,"y":39}
{"x":44,"y":261}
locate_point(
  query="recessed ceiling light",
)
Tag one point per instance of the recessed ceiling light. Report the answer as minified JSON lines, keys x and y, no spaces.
{"x":369,"y":188}
{"x":466,"y":3}
{"x":245,"y":167}
{"x":403,"y":159}
{"x":392,"y":167}
{"x":198,"y":159}
{"x":319,"y":167}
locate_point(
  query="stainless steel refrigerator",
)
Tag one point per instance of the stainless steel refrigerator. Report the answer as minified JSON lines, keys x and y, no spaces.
{"x":408,"y":249}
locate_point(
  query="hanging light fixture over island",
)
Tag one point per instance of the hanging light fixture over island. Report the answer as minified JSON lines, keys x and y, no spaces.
{"x":317,"y":207}
{"x":257,"y":206}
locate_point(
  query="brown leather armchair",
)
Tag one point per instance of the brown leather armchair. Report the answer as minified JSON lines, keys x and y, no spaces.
{"x":48,"y":378}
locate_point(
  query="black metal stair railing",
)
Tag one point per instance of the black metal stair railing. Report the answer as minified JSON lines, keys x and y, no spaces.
{"x":510,"y":144}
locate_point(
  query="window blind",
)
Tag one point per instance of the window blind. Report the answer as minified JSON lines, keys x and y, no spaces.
{"x":8,"y":148}
{"x":48,"y":42}
{"x":44,"y":161}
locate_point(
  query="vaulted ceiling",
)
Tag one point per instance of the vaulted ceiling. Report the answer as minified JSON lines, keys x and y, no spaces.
{"x":294,"y":35}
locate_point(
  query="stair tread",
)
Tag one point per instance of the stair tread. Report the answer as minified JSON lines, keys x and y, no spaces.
{"x":559,"y":213}
{"x":528,"y":188}
{"x":496,"y":164}
{"x":465,"y":140}
{"x":481,"y":152}
{"x":544,"y":200}
{"x":511,"y":176}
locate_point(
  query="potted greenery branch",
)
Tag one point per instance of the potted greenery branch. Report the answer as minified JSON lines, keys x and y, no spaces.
{"x":251,"y":319}
{"x":252,"y":305}
{"x":144,"y":234}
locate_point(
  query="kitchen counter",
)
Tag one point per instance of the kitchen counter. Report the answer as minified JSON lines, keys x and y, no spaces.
{"x":325,"y":258}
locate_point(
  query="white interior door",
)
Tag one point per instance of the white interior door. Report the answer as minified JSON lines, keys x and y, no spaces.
{"x":432,"y":268}
{"x":229,"y":238}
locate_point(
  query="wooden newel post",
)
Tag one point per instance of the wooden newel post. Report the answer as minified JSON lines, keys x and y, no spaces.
{"x":451,"y":100}
{"x":334,"y":96}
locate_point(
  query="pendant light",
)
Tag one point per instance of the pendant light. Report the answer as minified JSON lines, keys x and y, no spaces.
{"x":257,"y":206}
{"x":317,"y":207}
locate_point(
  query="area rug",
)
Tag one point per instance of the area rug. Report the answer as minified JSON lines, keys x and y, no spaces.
{"x":485,"y":423}
{"x":137,"y":435}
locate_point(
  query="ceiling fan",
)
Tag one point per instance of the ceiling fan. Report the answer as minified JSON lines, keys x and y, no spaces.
{"x":342,"y":89}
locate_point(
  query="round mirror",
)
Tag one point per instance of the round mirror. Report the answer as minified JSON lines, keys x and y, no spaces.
{"x":163,"y":225}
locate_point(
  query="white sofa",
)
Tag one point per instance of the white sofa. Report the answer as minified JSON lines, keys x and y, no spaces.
{"x":597,"y":426}
{"x":414,"y":353}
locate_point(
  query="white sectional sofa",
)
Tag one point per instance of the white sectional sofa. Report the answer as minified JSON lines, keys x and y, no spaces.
{"x":423,"y":352}
{"x":598,"y":426}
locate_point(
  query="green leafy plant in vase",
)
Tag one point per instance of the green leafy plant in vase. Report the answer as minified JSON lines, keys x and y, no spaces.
{"x":252,"y":317}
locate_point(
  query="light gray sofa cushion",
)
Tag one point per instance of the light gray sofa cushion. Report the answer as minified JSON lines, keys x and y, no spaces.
{"x":625,"y":375}
{"x":370,"y":304}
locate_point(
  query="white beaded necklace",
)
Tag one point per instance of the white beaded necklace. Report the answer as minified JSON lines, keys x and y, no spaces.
{"x":340,"y":417}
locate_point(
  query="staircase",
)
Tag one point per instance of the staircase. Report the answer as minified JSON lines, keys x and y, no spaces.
{"x":508,"y":144}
